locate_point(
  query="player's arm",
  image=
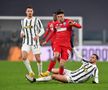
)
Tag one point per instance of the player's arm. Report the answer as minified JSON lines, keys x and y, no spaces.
{"x":79,"y":56}
{"x":74,"y":24}
{"x":40,"y":27}
{"x":22,"y":30}
{"x":46,"y":33}
{"x":48,"y":38}
{"x":50,"y":35}
{"x":96,"y":79}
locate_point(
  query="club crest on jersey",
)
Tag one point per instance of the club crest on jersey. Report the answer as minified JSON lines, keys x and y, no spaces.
{"x":64,"y":23}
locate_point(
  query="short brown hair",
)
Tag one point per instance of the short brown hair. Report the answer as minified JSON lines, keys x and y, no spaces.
{"x":29,"y":7}
{"x":97,"y":57}
{"x":59,"y":11}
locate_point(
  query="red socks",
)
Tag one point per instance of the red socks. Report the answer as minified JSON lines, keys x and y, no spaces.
{"x":51,"y":65}
{"x":61,"y":70}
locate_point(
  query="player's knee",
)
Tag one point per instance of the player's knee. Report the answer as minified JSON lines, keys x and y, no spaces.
{"x":38,"y":58}
{"x":24,"y":55}
{"x":56,"y":55}
{"x":62,"y":62}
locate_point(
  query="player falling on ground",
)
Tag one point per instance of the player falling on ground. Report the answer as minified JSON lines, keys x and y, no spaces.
{"x":32,"y":29}
{"x":86,"y":71}
{"x":61,"y":44}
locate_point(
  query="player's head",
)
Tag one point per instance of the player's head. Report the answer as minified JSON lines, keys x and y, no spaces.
{"x":94,"y":58}
{"x":60,"y":15}
{"x":54,"y":16}
{"x":29,"y":11}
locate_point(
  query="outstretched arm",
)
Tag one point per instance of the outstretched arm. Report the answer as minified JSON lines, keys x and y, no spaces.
{"x":79,"y":56}
{"x":77,"y":53}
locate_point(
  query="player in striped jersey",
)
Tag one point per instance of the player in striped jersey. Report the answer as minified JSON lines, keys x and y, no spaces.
{"x":32,"y":29}
{"x":86,"y":71}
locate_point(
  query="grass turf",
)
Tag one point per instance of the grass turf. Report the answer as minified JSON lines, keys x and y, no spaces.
{"x":12,"y":77}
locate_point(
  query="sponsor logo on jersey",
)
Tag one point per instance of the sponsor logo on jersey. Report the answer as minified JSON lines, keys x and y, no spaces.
{"x":61,"y":29}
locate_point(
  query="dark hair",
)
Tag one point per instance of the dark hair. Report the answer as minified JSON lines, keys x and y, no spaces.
{"x":97,"y":57}
{"x":54,"y":12}
{"x":59,"y":11}
{"x":29,"y":7}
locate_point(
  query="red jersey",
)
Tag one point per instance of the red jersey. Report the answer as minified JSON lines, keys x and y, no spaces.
{"x":63,"y":32}
{"x":49,"y":31}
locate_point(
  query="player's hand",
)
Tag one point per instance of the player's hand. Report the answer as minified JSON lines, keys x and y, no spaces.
{"x":22,"y":35}
{"x":71,"y":22}
{"x":43,"y":43}
{"x":36,"y":37}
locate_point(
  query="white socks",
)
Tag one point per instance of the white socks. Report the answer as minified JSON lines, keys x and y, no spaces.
{"x":39,"y":65}
{"x":48,"y":78}
{"x":28,"y":66}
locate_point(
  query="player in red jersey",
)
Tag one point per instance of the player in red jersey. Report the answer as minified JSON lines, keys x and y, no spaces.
{"x":62,"y":46}
{"x":49,"y":31}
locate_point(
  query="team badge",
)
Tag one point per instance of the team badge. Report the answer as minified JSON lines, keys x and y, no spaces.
{"x":64,"y":23}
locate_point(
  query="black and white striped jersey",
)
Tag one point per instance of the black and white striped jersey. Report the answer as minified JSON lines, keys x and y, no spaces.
{"x":31,"y":28}
{"x":86,"y":71}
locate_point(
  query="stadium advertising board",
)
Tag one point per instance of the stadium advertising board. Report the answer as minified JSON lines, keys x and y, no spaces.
{"x":102,"y":51}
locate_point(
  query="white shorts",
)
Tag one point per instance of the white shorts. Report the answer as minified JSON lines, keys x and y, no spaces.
{"x":33,"y":48}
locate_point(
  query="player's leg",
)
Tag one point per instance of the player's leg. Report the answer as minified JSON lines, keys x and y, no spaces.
{"x":61,"y":66}
{"x":56,"y":55}
{"x":57,"y":51}
{"x":55,"y":70}
{"x":36,"y":52}
{"x":64,"y":58}
{"x":39,"y":63}
{"x":58,"y":77}
{"x":53,"y":61}
{"x":25,"y":50}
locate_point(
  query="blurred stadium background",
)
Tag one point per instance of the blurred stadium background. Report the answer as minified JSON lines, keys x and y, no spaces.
{"x":94,"y":15}
{"x":95,"y":28}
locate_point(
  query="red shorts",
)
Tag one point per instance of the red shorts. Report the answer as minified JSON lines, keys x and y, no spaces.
{"x":64,"y":51}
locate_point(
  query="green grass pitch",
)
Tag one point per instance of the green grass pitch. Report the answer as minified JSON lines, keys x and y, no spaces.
{"x":12,"y":77}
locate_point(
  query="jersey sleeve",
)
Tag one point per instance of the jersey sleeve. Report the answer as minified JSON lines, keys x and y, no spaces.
{"x":22,"y":29}
{"x":52,"y":30}
{"x":74,"y":24}
{"x":50,"y":35}
{"x":96,"y":79}
{"x":46,"y":31}
{"x":40,"y":27}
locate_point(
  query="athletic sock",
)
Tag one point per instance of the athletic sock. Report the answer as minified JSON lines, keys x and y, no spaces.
{"x":44,"y":79}
{"x":39,"y":65}
{"x":51,"y":65}
{"x":28,"y":66}
{"x":61,"y":70}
